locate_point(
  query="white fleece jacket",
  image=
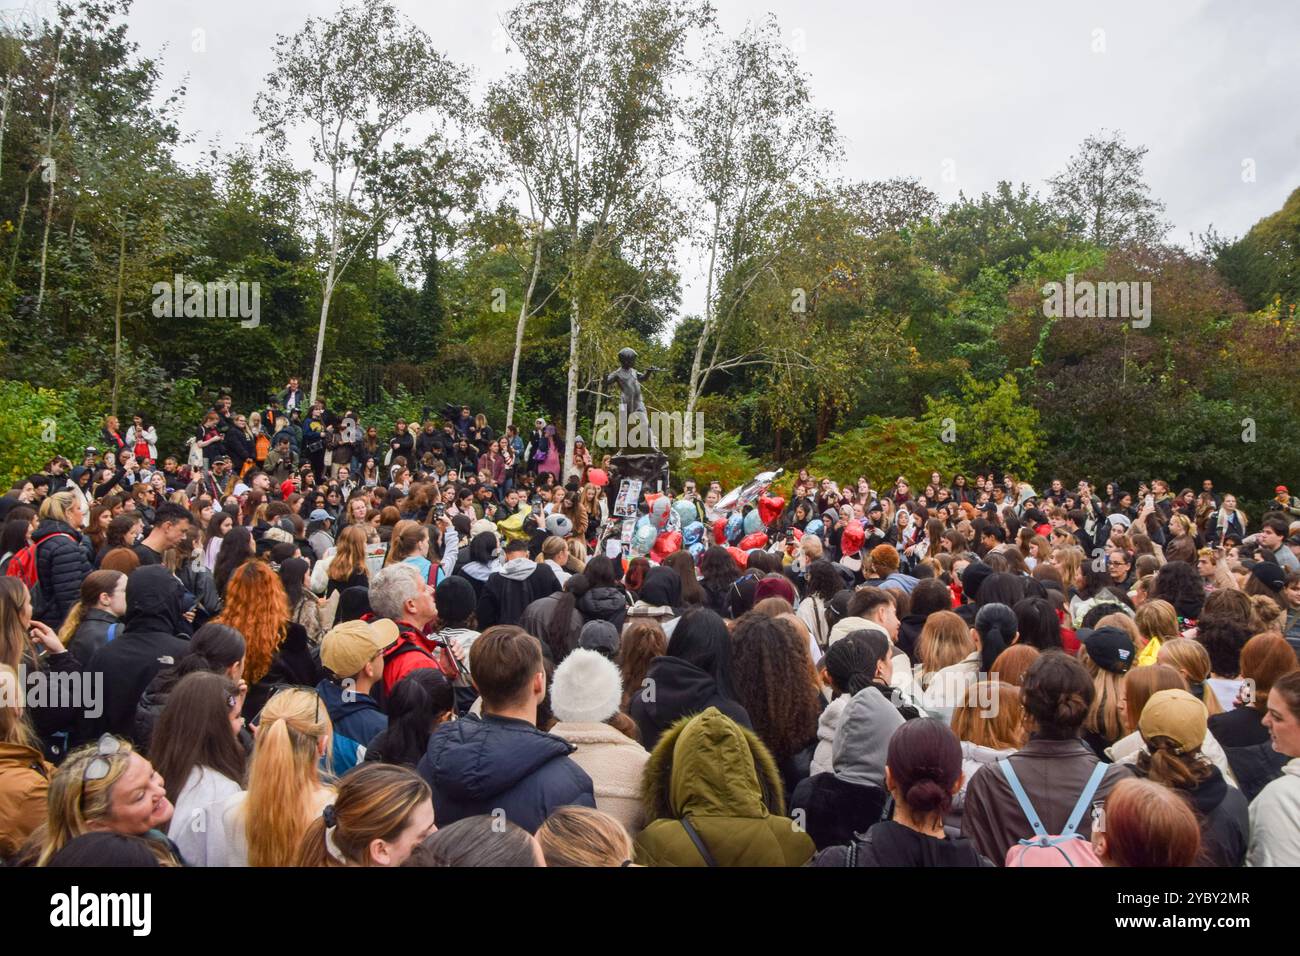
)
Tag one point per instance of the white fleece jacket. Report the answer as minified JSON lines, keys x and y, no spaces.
{"x":1275,"y":821}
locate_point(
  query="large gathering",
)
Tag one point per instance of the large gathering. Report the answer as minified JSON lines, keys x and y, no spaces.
{"x":294,"y":642}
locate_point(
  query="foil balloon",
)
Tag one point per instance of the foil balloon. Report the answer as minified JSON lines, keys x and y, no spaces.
{"x":752,"y":541}
{"x":697,"y":549}
{"x":662,"y":515}
{"x":753,"y":521}
{"x":666,"y":544}
{"x":598,"y":477}
{"x":720,"y":531}
{"x":692,"y":533}
{"x":740,"y":557}
{"x":769,"y":508}
{"x":643,"y":539}
{"x":814,"y":527}
{"x":735,"y":528}
{"x":686,"y":512}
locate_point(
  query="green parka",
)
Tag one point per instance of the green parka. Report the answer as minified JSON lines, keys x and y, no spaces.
{"x":720,"y":775}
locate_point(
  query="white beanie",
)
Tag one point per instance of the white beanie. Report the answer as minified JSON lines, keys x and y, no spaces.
{"x":480,"y":526}
{"x":586,"y":688}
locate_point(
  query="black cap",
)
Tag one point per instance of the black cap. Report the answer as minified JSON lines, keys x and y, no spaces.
{"x":1269,"y":574}
{"x":1110,"y":648}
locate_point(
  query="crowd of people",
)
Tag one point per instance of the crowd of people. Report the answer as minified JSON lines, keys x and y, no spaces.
{"x":292,"y":643}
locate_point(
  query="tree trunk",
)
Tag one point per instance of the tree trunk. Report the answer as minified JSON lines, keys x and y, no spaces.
{"x":117,"y":316}
{"x":519,"y":328}
{"x":45,"y":245}
{"x":326,"y":295}
{"x":18,"y":230}
{"x":571,"y":409}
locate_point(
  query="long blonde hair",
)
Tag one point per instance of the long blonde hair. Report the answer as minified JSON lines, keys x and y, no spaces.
{"x":349,"y":554}
{"x":945,"y":640}
{"x":284,"y":776}
{"x":582,"y":836}
{"x":56,"y":506}
{"x":1192,"y":660}
{"x":1105,"y":715}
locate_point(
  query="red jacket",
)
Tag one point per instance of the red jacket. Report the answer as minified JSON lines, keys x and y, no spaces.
{"x":412,"y":652}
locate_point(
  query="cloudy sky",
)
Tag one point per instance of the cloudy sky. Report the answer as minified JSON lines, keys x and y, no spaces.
{"x":957,"y":94}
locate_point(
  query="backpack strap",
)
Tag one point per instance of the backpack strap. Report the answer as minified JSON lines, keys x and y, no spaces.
{"x":1022,"y":798}
{"x":699,"y":843}
{"x":1085,"y":799}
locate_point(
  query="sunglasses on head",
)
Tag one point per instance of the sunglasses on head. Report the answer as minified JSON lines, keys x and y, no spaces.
{"x":98,"y":768}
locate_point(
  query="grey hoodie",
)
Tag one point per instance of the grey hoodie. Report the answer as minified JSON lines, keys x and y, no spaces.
{"x":862,"y":739}
{"x":519,"y":569}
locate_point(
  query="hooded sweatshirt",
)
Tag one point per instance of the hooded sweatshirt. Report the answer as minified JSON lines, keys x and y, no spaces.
{"x":850,"y":798}
{"x":661,"y":595}
{"x":151,"y":641}
{"x":680,"y":688}
{"x":505,"y":594}
{"x":486,"y":763}
{"x":862,"y":740}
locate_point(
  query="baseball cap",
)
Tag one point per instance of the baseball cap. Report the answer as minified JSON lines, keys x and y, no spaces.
{"x":350,"y":646}
{"x":1110,"y":648}
{"x":320,"y":514}
{"x":558,"y":525}
{"x":1280,"y":490}
{"x":600,"y":636}
{"x":1269,"y":574}
{"x":1175,"y":714}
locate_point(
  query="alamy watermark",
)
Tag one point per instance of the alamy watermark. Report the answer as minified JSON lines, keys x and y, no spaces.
{"x":219,"y":299}
{"x":1098,"y":300}
{"x":63,"y":690}
{"x":650,"y":430}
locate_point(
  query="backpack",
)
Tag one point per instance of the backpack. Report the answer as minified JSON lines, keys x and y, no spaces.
{"x":23,"y":567}
{"x":1042,"y":849}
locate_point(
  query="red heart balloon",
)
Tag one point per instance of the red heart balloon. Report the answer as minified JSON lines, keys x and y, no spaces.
{"x":665,"y":545}
{"x":769,"y":508}
{"x":740,"y":557}
{"x":720,"y":531}
{"x":751,"y":541}
{"x":598,"y":477}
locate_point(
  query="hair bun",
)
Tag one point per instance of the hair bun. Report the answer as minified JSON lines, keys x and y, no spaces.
{"x":927,"y":796}
{"x":330,"y":816}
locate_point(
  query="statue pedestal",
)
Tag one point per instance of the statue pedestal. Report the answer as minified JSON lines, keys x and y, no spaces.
{"x":651,"y":467}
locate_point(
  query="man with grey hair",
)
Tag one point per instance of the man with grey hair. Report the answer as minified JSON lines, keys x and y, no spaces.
{"x":399,"y":593}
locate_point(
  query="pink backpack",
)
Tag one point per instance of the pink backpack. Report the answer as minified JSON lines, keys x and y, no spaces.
{"x":1043,"y":849}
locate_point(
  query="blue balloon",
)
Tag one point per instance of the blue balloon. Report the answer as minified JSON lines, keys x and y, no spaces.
{"x":814,"y":527}
{"x":643,"y":539}
{"x":753,"y":521}
{"x":642,"y":521}
{"x":686,"y":512}
{"x":735,"y":528}
{"x":697,"y":549}
{"x":692,"y":533}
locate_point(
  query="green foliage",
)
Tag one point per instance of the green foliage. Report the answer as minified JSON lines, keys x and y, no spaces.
{"x":991,"y":426}
{"x":38,"y":423}
{"x":883,"y":449}
{"x":724,"y":460}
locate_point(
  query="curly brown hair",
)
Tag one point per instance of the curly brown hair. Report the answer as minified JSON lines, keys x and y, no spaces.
{"x":775,"y":682}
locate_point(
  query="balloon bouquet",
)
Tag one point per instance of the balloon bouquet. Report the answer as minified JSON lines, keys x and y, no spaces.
{"x":745,"y":515}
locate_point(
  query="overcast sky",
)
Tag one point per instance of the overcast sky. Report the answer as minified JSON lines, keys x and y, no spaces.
{"x":957,"y":94}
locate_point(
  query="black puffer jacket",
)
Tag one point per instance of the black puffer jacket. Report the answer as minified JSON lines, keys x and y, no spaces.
{"x":61,"y":566}
{"x":604,"y":604}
